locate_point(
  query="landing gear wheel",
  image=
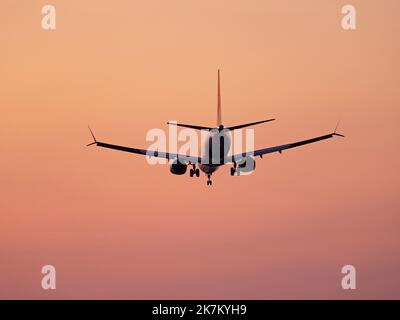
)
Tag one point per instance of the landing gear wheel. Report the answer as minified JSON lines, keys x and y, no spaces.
{"x":209,"y":182}
{"x":191,"y":172}
{"x":197,"y":172}
{"x":233,"y":170}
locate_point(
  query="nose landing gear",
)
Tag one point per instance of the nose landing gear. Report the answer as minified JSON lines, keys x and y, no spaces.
{"x":209,"y":182}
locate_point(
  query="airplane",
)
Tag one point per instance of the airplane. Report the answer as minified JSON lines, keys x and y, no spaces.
{"x":216,"y":148}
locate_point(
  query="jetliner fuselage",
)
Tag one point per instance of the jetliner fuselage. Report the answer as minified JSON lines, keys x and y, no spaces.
{"x":215,"y":150}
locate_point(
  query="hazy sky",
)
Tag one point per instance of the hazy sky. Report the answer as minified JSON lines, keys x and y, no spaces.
{"x":117,"y":227}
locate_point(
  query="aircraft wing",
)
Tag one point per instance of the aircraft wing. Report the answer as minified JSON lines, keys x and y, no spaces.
{"x":150,"y":153}
{"x":280,"y":148}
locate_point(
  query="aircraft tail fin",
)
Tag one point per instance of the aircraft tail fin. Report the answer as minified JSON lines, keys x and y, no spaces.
{"x":219,"y":117}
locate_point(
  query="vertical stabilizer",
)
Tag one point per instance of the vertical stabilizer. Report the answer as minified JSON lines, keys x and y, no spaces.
{"x":219,"y":120}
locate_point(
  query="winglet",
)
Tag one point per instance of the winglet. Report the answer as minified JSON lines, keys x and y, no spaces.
{"x":334,"y":132}
{"x":94,"y":138}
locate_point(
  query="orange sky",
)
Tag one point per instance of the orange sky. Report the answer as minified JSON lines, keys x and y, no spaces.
{"x":116,"y":227}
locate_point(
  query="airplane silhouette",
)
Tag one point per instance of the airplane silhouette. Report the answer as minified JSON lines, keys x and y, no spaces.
{"x":216,"y":148}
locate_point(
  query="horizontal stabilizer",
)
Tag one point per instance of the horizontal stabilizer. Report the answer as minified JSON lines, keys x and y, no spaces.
{"x":189,"y":126}
{"x":227,"y":128}
{"x":248,"y":124}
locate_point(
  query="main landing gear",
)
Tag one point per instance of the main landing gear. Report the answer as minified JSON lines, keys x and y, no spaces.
{"x":209,"y":182}
{"x":194,"y":171}
{"x":233,"y":170}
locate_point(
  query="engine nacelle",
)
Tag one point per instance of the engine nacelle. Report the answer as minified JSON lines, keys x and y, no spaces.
{"x":178,"y":168}
{"x":247,"y":164}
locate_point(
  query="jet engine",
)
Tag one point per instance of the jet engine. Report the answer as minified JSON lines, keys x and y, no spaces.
{"x":178,"y":168}
{"x":247,"y":164}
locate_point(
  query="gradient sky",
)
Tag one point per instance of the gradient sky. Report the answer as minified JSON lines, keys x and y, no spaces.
{"x":116,"y":227}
